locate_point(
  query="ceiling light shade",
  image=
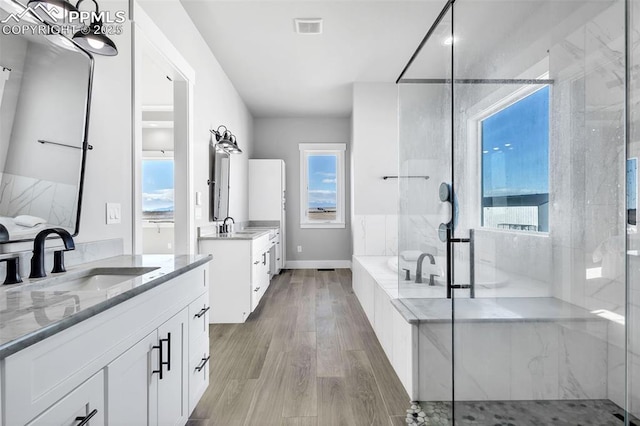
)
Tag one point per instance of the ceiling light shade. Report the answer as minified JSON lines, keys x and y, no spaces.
{"x":92,"y":39}
{"x":52,"y":11}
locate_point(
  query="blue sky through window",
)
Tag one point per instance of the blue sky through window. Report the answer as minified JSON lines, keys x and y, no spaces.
{"x":322,"y":181}
{"x":515,"y":148}
{"x":157,"y":185}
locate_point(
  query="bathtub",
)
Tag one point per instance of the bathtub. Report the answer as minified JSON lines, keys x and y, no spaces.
{"x":415,"y":332}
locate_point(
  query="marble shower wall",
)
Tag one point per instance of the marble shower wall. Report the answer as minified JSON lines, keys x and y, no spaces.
{"x":375,"y":235}
{"x":53,"y":201}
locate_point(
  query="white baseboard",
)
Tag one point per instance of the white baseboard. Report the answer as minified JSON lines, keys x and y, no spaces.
{"x":318,"y":264}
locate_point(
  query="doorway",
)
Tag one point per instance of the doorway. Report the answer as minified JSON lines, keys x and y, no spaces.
{"x":157,"y":167}
{"x":163,"y":128}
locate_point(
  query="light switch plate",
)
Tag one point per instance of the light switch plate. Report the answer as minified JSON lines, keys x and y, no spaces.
{"x":113,"y":213}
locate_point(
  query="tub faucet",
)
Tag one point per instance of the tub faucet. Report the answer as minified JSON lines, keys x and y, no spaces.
{"x":419,"y":267}
{"x":37,"y":260}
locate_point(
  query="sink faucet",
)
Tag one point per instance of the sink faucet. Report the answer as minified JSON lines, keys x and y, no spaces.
{"x":419,"y":267}
{"x":227,"y":228}
{"x":37,"y":260}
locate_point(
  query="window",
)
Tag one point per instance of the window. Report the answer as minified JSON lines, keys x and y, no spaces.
{"x":157,"y":186}
{"x":515,"y":164}
{"x":322,"y":188}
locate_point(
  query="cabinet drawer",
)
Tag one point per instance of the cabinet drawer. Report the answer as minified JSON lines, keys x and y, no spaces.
{"x":199,"y":321}
{"x":84,"y":401}
{"x":198,"y":374}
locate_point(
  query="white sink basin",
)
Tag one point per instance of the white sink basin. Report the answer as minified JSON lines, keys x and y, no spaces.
{"x":96,"y":279}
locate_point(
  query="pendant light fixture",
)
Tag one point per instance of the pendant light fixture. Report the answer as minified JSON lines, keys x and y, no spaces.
{"x":91,"y":37}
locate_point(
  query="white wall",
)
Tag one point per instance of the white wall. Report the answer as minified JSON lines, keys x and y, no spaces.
{"x":374,"y":148}
{"x":158,"y":139}
{"x":216,"y":102}
{"x":108,"y":177}
{"x":374,"y":154}
{"x":108,"y":172}
{"x":278,"y":138}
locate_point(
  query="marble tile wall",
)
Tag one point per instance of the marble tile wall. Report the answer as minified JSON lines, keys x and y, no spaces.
{"x":514,"y":361}
{"x":52,"y":201}
{"x":375,"y":235}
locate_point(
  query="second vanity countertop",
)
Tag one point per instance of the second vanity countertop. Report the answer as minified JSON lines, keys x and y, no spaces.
{"x":30,"y":312}
{"x":245,"y":234}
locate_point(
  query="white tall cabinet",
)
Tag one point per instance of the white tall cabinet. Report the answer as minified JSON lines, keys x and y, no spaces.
{"x":267,"y":198}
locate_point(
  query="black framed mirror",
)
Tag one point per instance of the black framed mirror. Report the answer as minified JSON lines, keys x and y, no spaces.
{"x":45,"y":97}
{"x":219,"y":169}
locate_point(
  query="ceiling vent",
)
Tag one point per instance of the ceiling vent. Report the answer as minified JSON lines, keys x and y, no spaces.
{"x":308,"y":26}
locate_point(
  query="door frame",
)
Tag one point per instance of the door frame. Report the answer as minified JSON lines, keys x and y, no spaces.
{"x":147,"y":37}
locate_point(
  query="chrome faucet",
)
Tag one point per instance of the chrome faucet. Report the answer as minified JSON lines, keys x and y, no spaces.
{"x":37,"y":260}
{"x":419,"y":267}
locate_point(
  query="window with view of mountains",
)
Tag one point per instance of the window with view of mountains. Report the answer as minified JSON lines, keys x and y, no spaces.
{"x":322,"y":189}
{"x":157,"y":189}
{"x":515,"y":165}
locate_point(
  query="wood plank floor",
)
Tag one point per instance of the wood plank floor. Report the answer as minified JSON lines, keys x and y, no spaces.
{"x":307,"y":356}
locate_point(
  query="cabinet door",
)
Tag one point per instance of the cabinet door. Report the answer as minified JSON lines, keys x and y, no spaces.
{"x":86,"y":402}
{"x":133,"y":385}
{"x":172,"y":387}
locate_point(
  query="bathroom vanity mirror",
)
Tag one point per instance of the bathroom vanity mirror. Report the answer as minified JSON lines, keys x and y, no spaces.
{"x":219,"y":162}
{"x":45,"y":91}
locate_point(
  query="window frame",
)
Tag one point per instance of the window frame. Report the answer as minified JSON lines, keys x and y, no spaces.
{"x":476,"y":125}
{"x":158,"y":155}
{"x":339,"y":150}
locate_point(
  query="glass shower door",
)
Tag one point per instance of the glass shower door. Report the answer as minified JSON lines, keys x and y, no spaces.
{"x":425,"y":134}
{"x":537,"y":250}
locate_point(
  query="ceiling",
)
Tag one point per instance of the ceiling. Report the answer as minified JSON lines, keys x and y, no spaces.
{"x":279,"y":73}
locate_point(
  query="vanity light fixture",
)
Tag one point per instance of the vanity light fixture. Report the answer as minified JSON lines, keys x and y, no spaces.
{"x":91,"y":37}
{"x":225,"y":140}
{"x":235,"y":149}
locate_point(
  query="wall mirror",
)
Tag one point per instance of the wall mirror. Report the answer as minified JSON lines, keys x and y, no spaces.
{"x":45,"y":91}
{"x":219,"y":162}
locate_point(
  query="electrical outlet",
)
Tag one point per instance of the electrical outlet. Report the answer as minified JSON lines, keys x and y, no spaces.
{"x":299,"y":249}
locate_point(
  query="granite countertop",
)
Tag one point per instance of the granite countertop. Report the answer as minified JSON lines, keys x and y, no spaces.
{"x":245,"y":234}
{"x":501,"y":309}
{"x":39,"y":308}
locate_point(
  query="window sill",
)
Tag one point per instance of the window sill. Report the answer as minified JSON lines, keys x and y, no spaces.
{"x":320,"y":225}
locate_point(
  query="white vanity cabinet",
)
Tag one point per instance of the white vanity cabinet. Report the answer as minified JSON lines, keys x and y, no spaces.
{"x":164,"y":398}
{"x":84,"y":404}
{"x":242,"y":275}
{"x":130,"y":362}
